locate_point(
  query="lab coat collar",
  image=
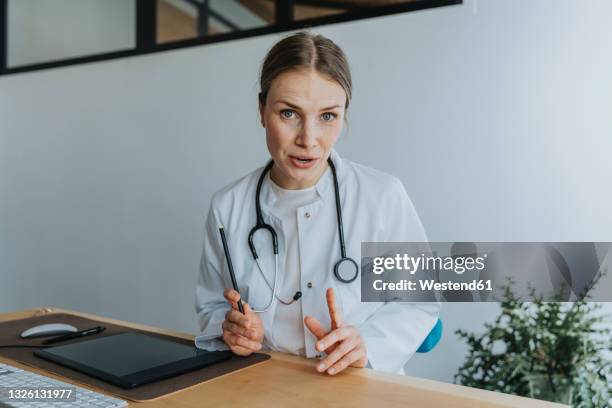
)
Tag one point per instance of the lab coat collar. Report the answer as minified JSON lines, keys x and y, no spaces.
{"x":325,"y":183}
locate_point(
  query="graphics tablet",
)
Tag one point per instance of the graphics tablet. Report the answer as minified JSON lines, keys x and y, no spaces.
{"x":131,"y":359}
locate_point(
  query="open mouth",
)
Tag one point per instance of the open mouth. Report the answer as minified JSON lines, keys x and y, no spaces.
{"x":303,"y":161}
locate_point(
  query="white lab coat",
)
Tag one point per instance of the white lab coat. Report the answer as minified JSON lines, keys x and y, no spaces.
{"x":375,"y":207}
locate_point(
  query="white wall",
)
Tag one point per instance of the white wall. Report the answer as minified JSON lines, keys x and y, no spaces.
{"x":496,"y":116}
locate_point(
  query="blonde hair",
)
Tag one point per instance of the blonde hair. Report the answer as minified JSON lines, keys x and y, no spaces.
{"x":310,"y":51}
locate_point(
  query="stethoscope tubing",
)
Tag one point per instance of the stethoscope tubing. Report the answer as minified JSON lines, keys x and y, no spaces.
{"x":261,"y":224}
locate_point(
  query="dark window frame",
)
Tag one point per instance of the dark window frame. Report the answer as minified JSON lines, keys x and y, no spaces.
{"x":3,"y":35}
{"x":146,"y":30}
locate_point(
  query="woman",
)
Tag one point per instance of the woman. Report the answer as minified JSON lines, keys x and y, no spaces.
{"x":295,"y":302}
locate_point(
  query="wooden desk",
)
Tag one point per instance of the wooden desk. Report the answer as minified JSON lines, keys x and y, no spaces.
{"x":287,"y":380}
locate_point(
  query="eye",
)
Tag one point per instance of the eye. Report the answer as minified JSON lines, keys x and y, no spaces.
{"x":288,"y":113}
{"x":328,"y":116}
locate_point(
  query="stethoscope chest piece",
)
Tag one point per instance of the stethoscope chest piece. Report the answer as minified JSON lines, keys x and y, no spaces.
{"x":346,"y":270}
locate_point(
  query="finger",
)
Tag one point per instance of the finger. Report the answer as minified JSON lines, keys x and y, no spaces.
{"x":348,"y":359}
{"x":248,"y":343}
{"x":243,"y":342}
{"x":315,"y":327}
{"x":255,"y":322}
{"x":241,"y":351}
{"x":235,"y":316}
{"x":229,"y":339}
{"x":236,"y":329}
{"x":334,"y":312}
{"x":333,"y":337}
{"x":343,"y":348}
{"x":231,"y":295}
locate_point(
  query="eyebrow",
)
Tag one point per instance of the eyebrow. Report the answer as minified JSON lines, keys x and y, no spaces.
{"x":298,"y":108}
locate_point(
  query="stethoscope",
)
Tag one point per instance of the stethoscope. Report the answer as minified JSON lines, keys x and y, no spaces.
{"x":345,"y":269}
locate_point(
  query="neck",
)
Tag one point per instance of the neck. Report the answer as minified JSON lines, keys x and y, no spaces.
{"x":290,"y":184}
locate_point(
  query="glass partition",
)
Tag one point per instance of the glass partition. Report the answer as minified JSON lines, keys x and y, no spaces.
{"x":38,"y":34}
{"x":51,"y":30}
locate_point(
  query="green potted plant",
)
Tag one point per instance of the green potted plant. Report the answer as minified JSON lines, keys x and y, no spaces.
{"x":547,"y":350}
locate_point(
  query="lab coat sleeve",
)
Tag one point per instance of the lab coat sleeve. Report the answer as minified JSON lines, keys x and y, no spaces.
{"x":396,"y":330}
{"x":210,"y":304}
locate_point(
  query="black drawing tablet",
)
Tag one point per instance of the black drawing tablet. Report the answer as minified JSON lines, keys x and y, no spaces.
{"x":131,"y":359}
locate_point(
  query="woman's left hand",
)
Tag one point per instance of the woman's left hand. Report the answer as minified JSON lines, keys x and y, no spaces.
{"x":343,"y":344}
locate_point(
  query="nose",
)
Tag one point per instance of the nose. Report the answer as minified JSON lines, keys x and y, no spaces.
{"x":307,"y":136}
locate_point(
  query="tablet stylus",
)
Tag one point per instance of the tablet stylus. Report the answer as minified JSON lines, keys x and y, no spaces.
{"x":231,"y":268}
{"x":69,"y":336}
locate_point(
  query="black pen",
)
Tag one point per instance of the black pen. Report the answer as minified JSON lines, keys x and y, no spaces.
{"x":231,"y":268}
{"x":69,"y":336}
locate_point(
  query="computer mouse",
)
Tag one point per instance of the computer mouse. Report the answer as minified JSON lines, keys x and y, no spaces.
{"x":45,"y":330}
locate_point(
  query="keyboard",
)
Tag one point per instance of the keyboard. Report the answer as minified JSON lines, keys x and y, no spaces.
{"x":47,"y":392}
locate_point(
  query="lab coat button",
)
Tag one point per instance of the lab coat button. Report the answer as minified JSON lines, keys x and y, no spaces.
{"x":307,"y":215}
{"x":309,"y":285}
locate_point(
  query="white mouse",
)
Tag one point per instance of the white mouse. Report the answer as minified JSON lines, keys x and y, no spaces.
{"x":45,"y":330}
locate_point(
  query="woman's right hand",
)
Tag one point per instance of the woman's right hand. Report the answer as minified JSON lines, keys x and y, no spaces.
{"x":243,"y":333}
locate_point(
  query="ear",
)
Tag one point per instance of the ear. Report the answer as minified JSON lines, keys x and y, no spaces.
{"x":261,"y":115}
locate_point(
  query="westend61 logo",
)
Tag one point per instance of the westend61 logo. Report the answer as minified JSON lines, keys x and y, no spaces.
{"x":412,"y":264}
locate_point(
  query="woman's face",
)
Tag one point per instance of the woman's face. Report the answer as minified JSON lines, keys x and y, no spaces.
{"x":303,"y":117}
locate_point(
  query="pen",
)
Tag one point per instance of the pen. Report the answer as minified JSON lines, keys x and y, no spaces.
{"x":231,"y":268}
{"x":82,"y":333}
